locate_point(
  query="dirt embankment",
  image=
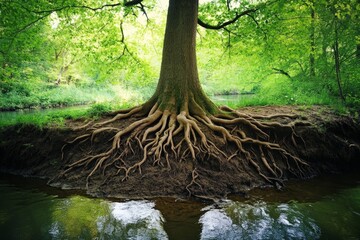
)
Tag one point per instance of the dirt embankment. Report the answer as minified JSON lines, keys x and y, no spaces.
{"x":329,"y":143}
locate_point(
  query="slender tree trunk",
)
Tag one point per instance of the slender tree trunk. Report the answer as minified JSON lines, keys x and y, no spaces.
{"x":357,"y":18}
{"x":324,"y":58}
{"x":312,"y":42}
{"x":337,"y":61}
{"x":179,"y":88}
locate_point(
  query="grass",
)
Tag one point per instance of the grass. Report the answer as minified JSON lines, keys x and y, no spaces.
{"x":65,"y":95}
{"x":58,"y":116}
{"x":41,"y":118}
{"x":108,"y":98}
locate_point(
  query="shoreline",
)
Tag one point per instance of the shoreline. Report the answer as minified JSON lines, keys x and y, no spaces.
{"x":330,"y":144}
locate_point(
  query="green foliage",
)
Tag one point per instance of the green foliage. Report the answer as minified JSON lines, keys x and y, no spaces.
{"x":97,"y":110}
{"x":71,"y":56}
{"x":74,"y":55}
{"x":60,"y":96}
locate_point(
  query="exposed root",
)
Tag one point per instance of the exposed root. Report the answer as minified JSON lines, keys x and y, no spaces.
{"x":162,"y":135}
{"x":194,"y":176}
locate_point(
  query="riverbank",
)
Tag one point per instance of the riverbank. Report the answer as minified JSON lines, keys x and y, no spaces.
{"x":328,"y":143}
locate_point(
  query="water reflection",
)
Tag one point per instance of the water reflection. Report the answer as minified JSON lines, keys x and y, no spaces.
{"x":237,"y":220}
{"x":138,"y":220}
{"x":92,"y":218}
{"x":32,"y":212}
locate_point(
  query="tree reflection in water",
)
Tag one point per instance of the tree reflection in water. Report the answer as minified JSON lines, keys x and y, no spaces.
{"x":92,"y":218}
{"x":259,"y":220}
{"x":328,"y":211}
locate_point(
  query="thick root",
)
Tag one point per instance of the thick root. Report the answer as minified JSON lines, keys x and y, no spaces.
{"x":230,"y":136}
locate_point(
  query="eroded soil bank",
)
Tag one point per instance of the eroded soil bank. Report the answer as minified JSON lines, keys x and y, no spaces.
{"x":329,"y":143}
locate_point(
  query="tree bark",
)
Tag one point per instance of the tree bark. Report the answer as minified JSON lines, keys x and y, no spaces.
{"x":179,"y":87}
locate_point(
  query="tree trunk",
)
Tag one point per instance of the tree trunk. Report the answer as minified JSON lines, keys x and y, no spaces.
{"x":337,"y":62}
{"x":179,"y":88}
{"x":312,"y":43}
{"x":357,"y":19}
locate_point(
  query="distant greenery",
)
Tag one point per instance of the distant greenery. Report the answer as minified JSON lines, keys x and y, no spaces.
{"x":41,"y":119}
{"x":57,"y":117}
{"x":284,"y":53}
{"x":67,"y":95}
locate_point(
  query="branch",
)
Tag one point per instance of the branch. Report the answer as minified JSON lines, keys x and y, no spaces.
{"x":300,"y":65}
{"x":30,"y":24}
{"x":252,"y":17}
{"x":125,"y":49}
{"x":280,"y":71}
{"x":238,"y":15}
{"x":223,"y":25}
{"x":47,"y":12}
{"x":73,"y":6}
{"x":142,"y":8}
{"x":257,"y":24}
{"x":126,"y":4}
{"x":131,"y":3}
{"x":228,"y":4}
{"x":122,"y":40}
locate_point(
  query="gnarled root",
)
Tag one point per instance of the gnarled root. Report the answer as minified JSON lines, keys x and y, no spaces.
{"x":161,"y":135}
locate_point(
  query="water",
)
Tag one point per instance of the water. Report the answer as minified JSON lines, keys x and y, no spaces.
{"x":325,"y":208}
{"x":230,"y":99}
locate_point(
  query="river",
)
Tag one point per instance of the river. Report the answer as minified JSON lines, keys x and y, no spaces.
{"x":321,"y":208}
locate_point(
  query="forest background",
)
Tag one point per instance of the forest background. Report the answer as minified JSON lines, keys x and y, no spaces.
{"x":301,"y":52}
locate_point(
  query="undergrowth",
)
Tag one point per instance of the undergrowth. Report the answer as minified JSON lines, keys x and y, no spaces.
{"x":57,"y":117}
{"x":108,"y":98}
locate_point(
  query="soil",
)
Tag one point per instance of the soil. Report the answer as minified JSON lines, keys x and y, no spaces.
{"x":328,"y":143}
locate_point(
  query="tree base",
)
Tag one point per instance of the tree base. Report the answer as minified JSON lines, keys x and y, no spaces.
{"x":195,"y":151}
{"x":331,"y":144}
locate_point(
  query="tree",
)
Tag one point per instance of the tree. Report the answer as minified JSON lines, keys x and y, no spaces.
{"x":312,"y":40}
{"x":179,"y":123}
{"x":20,"y":54}
{"x":339,"y":26}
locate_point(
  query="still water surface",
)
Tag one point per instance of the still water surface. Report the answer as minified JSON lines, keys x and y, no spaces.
{"x":323,"y":208}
